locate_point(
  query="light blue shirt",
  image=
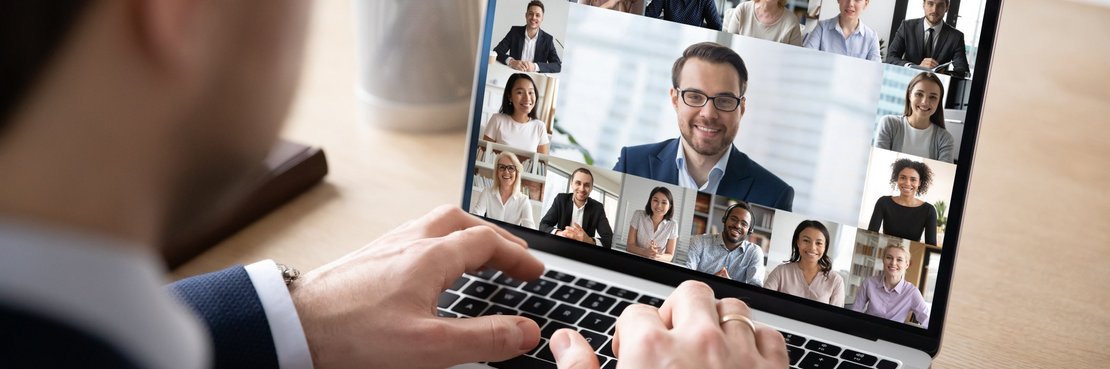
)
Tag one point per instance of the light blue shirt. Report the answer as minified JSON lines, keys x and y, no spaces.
{"x":715,"y":174}
{"x":828,"y":36}
{"x":708,"y":255}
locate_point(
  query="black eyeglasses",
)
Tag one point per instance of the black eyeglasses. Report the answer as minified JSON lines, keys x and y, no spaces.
{"x":507,"y":168}
{"x":698,"y":99}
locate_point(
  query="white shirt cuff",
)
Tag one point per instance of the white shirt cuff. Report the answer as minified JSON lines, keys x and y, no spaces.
{"x":289,"y":340}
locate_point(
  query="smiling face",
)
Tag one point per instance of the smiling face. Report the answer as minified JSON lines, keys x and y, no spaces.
{"x":934,"y":10}
{"x":707,"y":130}
{"x":908,"y":182}
{"x":737,"y":224}
{"x":811,"y":245}
{"x":506,"y":172}
{"x":523,"y":96}
{"x":924,"y":98}
{"x":533,"y":18}
{"x":659,"y":204}
{"x":852,"y":8}
{"x":582,"y":184}
{"x":895,"y":261}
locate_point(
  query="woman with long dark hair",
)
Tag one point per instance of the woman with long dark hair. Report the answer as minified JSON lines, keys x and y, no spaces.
{"x":809,"y":273}
{"x":651,"y":232}
{"x":920,"y":129}
{"x":516,"y":124}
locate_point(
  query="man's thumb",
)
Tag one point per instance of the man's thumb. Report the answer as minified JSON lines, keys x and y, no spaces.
{"x":571,"y":351}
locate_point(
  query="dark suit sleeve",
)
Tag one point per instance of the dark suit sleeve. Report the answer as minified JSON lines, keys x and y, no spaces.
{"x":228,"y":303}
{"x":502,"y":48}
{"x":551,"y":219}
{"x":711,"y":14}
{"x":654,"y":9}
{"x":604,"y":230}
{"x":786,"y":199}
{"x":552,"y":63}
{"x":619,"y":167}
{"x":897,"y":48}
{"x":960,"y":67}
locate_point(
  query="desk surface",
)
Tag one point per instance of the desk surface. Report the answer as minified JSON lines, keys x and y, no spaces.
{"x":1030,"y":281}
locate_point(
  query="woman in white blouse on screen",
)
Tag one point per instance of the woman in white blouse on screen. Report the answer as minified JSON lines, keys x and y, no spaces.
{"x":504,"y":201}
{"x":651,"y":232}
{"x":516,"y":124}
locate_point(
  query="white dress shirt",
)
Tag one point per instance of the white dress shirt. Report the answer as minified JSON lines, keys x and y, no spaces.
{"x":715,"y":174}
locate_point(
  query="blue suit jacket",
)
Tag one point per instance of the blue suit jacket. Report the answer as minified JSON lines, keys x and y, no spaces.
{"x":545,"y":57}
{"x":226,"y":300}
{"x":744,"y":179}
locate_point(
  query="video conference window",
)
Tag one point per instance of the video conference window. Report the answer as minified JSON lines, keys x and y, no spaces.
{"x":741,"y":144}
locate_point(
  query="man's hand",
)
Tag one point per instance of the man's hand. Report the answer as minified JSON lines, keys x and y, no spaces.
{"x":722,"y":273}
{"x":518,"y":65}
{"x":376,"y":307}
{"x":685,"y":333}
{"x":929,"y":63}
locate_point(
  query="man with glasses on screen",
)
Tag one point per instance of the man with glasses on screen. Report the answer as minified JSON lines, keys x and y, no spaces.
{"x":709,"y":82}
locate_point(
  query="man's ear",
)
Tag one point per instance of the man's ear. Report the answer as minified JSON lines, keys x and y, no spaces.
{"x":167,"y":32}
{"x":674,"y":98}
{"x":743,"y":105}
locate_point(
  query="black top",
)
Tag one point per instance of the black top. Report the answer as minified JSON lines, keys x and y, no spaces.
{"x":905,"y":222}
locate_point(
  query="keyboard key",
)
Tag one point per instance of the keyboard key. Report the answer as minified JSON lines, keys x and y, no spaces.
{"x":545,"y":353}
{"x":597,"y":322}
{"x":508,"y":297}
{"x":459,"y":283}
{"x":601,"y":360}
{"x":622,"y":293}
{"x":444,"y":314}
{"x":617,"y":310}
{"x":859,"y":357}
{"x":593,"y":285}
{"x":815,"y":360}
{"x":795,"y":354}
{"x":596,"y":340}
{"x":484,"y":273}
{"x":549,"y":329}
{"x":607,"y":349}
{"x":524,"y":362}
{"x":569,"y":294}
{"x":539,"y":321}
{"x":470,"y":307}
{"x":824,"y":348}
{"x":446,"y":299}
{"x":612,"y":364}
{"x":651,"y":300}
{"x":505,"y":279}
{"x":793,"y":339}
{"x":887,"y":364}
{"x":598,"y":302}
{"x":537,"y":305}
{"x":851,"y":365}
{"x":479,"y":289}
{"x":500,"y":310}
{"x":567,"y":314}
{"x":559,"y":276}
{"x":540,"y":287}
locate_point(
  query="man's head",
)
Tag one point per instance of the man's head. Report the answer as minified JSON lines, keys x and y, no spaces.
{"x":934,"y":10}
{"x":738,"y":223}
{"x":714,"y":77}
{"x":172,"y":102}
{"x":581,"y":184}
{"x":533,"y":16}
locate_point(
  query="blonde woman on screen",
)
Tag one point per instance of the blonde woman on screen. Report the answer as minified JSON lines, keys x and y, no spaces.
{"x":888,"y":295}
{"x":504,"y":201}
{"x":765,"y":19}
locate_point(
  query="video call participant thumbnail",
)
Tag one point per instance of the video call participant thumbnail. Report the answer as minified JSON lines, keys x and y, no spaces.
{"x":652,"y":233}
{"x":729,"y":254}
{"x":928,"y":42}
{"x":906,"y":216}
{"x":576,"y":216}
{"x":920,"y":130}
{"x":767,"y":20}
{"x":623,"y":6}
{"x":845,"y":34}
{"x":809,"y":272}
{"x":516,"y":124}
{"x":697,"y":13}
{"x":709,"y":81}
{"x":528,"y":48}
{"x":888,"y":295}
{"x":504,"y":201}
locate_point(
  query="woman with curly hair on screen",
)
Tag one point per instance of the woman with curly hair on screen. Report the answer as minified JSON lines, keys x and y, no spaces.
{"x":905,"y":215}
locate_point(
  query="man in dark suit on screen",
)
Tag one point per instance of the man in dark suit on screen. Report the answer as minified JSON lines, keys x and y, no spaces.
{"x":928,"y":42}
{"x":709,"y":82}
{"x":576,"y":216}
{"x":528,"y":48}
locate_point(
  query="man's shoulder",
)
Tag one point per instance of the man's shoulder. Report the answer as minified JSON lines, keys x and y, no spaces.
{"x":948,"y":28}
{"x":757,"y":171}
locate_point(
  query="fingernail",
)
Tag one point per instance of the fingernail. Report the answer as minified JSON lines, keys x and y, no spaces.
{"x":559,"y":343}
{"x":523,"y":327}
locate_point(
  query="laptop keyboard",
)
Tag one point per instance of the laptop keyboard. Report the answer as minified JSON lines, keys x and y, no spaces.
{"x":561,"y":300}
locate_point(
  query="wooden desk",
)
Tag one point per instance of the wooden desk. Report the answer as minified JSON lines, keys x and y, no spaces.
{"x":1030,"y":287}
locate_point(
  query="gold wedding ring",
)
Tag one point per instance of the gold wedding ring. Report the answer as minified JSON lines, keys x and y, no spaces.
{"x":738,"y":317}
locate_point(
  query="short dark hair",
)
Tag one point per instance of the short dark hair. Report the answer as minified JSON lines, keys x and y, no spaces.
{"x":535,"y":3}
{"x":738,"y":204}
{"x":506,"y":97}
{"x":31,"y":33}
{"x":713,"y":53}
{"x":922,"y":170}
{"x":582,"y":170}
{"x":670,"y":199}
{"x":938,"y":116}
{"x":824,"y":261}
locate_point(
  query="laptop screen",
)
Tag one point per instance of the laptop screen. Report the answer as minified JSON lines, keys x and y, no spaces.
{"x":816,"y":150}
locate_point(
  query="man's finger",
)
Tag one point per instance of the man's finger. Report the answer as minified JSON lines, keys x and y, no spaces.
{"x":637,"y":321}
{"x":486,"y":338}
{"x":571,"y":351}
{"x":739,"y":334}
{"x":771,"y":344}
{"x":476,"y":247}
{"x":690,"y":306}
{"x":447,"y":219}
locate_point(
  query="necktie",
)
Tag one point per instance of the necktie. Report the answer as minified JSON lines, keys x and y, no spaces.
{"x":929,"y":43}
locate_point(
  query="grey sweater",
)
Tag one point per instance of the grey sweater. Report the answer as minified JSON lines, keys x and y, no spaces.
{"x":892,"y":131}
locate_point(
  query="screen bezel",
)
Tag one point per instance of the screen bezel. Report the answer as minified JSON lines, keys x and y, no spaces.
{"x":812,"y":312}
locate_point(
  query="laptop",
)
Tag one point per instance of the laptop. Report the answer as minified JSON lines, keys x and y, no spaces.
{"x":821,"y":178}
